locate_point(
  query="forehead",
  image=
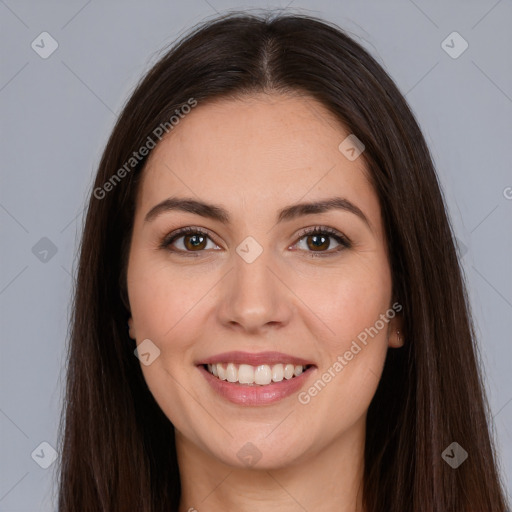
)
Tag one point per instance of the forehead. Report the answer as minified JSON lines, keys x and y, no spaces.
{"x":254,"y":151}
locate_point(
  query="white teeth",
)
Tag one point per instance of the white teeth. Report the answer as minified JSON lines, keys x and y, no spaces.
{"x":277,"y":372}
{"x":261,"y":375}
{"x":231,"y":373}
{"x":289,"y":369}
{"x":221,"y":372}
{"x":245,"y":374}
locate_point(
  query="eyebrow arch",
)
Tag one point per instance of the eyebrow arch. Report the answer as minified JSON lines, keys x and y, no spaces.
{"x":289,"y":213}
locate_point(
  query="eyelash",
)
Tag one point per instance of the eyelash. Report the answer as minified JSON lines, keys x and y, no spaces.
{"x":317,"y":230}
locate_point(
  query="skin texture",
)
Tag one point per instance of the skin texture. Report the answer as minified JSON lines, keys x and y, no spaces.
{"x":254,"y":156}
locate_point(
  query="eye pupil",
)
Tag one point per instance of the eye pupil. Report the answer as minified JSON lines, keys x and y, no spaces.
{"x":317,"y":244}
{"x":197,"y":243}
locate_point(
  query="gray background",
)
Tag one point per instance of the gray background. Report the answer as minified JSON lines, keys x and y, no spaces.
{"x":56,"y":115}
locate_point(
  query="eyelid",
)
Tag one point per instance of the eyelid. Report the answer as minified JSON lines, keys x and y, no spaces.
{"x":180,"y":232}
{"x":341,"y":239}
{"x":323,"y":229}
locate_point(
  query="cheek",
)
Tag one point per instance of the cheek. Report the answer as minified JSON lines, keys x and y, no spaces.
{"x":354,"y":304}
{"x":164,"y":309}
{"x":160,"y":299}
{"x":348,"y":300}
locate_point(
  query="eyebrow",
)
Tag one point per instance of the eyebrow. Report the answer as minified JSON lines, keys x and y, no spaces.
{"x":219,"y":214}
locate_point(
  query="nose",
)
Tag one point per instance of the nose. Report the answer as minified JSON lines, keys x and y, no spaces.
{"x":254,"y":297}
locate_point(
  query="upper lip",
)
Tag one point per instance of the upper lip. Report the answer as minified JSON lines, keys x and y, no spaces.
{"x":256,"y":359}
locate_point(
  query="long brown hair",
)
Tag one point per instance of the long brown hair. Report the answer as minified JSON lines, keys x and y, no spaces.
{"x":117,"y":447}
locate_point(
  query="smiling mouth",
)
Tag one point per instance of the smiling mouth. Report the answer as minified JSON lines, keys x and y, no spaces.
{"x":261,"y":375}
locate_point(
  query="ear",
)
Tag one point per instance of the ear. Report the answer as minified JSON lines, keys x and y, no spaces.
{"x":396,"y":336}
{"x":131,"y":329}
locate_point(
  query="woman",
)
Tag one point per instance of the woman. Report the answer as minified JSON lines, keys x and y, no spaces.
{"x":269,"y":308}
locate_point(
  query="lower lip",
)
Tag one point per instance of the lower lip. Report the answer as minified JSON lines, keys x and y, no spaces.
{"x":243,"y":394}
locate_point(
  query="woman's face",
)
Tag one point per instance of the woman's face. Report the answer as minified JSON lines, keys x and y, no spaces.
{"x":254,"y":294}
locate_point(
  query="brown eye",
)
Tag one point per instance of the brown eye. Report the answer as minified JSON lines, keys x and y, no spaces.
{"x":188,"y":240}
{"x":318,"y":242}
{"x":322,"y":241}
{"x":193,"y":242}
